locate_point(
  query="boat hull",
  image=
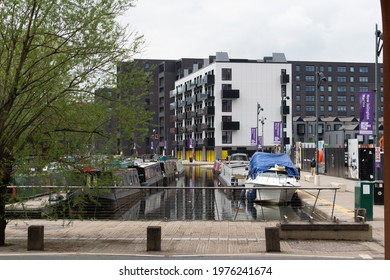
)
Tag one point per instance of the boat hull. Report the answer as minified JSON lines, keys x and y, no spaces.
{"x":270,"y":195}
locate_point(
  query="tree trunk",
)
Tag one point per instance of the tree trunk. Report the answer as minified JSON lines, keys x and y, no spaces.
{"x":5,"y":176}
{"x":3,"y":222}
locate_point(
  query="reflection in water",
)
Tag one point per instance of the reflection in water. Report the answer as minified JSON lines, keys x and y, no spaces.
{"x":199,"y":197}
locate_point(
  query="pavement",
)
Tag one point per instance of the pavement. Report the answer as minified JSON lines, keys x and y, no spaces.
{"x":203,"y":238}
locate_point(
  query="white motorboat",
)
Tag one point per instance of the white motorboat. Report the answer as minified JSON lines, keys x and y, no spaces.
{"x":272,"y":178}
{"x":235,"y":170}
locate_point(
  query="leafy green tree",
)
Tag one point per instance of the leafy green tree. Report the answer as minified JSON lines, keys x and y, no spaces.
{"x":54,"y":55}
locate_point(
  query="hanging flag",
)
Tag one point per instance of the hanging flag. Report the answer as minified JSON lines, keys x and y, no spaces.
{"x":366,"y":113}
{"x":253,"y":136}
{"x":277,"y":128}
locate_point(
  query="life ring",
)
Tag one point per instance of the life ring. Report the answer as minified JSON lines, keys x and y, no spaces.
{"x":320,"y":156}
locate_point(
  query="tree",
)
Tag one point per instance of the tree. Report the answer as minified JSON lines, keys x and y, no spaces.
{"x":54,"y":55}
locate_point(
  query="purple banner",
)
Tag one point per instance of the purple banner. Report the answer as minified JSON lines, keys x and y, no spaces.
{"x":277,"y":127}
{"x":253,"y":136}
{"x":366,"y":113}
{"x":260,"y":142}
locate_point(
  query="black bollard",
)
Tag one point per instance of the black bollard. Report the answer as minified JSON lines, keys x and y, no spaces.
{"x":35,"y":238}
{"x":153,"y":242}
{"x":272,"y":239}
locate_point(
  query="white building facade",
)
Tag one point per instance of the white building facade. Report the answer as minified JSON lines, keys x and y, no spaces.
{"x":225,"y":106}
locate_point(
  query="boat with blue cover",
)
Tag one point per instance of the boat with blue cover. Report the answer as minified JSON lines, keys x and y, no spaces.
{"x":272,"y":178}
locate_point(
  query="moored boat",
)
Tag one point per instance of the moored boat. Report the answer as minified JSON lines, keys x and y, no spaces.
{"x":234,"y":171}
{"x":273,"y":178}
{"x":149,"y":173}
{"x":104,"y":192}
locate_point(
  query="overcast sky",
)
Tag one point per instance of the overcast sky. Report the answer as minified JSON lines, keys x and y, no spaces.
{"x":319,"y":30}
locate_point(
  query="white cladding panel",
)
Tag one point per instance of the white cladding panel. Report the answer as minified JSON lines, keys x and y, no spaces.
{"x":257,"y":83}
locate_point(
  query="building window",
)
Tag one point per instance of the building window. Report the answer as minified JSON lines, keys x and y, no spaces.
{"x":322,"y":98}
{"x":310,"y":88}
{"x":330,"y":69}
{"x":352,"y":108}
{"x":342,"y":108}
{"x":341,"y":69}
{"x":298,"y":108}
{"x":226,"y":74}
{"x":341,"y":79}
{"x":227,"y":105}
{"x":297,"y":98}
{"x":351,"y":69}
{"x":309,"y":78}
{"x":363,"y":89}
{"x":363,"y":69}
{"x":298,"y":78}
{"x":352,"y":79}
{"x":226,"y":137}
{"x":352,"y":88}
{"x":330,"y":98}
{"x":310,"y":98}
{"x":309,"y":68}
{"x":330,"y":88}
{"x":310,"y":108}
{"x":341,"y":98}
{"x":297,"y":68}
{"x":352,"y":98}
{"x":226,"y":118}
{"x":341,"y":89}
{"x":330,"y":108}
{"x":227,"y":86}
{"x":363,"y":79}
{"x":322,"y":108}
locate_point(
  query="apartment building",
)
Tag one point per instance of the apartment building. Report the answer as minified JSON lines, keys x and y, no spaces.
{"x":338,"y":99}
{"x":218,"y":107}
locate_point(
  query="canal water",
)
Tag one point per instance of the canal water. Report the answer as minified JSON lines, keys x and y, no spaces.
{"x":198,"y":196}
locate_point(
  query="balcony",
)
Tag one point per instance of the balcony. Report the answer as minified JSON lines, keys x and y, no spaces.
{"x":189,"y":128}
{"x":230,"y":125}
{"x":285,"y":110}
{"x":230,"y":93}
{"x":191,"y":114}
{"x":209,"y":80}
{"x":200,"y":97}
{"x":209,"y":110}
{"x":173,"y":118}
{"x":190,"y":100}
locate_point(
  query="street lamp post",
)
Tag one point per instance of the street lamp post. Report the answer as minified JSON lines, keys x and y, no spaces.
{"x":259,"y":109}
{"x":378,"y":50}
{"x":262,"y":121}
{"x":319,"y":78}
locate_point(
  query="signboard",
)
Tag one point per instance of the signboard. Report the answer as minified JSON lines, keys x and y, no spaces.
{"x":366,"y":113}
{"x":253,"y":136}
{"x":277,"y":132}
